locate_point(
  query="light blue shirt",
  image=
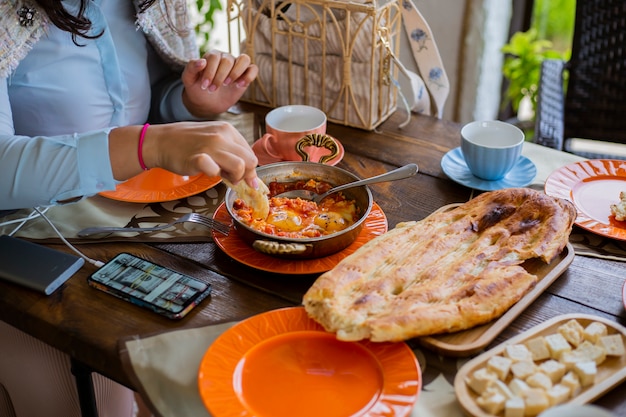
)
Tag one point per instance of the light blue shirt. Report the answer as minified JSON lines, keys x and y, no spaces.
{"x":57,"y":108}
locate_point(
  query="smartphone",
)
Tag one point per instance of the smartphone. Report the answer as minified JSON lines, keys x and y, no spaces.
{"x":146,"y":284}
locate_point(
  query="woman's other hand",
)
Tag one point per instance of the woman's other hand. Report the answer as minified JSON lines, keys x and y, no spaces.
{"x":216,"y":81}
{"x":185,"y":148}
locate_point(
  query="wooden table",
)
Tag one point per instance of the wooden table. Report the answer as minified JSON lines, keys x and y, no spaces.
{"x":89,"y":324}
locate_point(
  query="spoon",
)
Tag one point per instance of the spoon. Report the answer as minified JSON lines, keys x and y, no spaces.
{"x":397,"y":174}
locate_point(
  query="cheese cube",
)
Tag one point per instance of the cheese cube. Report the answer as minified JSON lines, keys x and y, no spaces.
{"x":586,"y":371}
{"x":571,"y":381}
{"x":557,"y":345}
{"x":539,"y":380}
{"x":514,"y":407}
{"x":569,"y":359}
{"x":492,"y":402}
{"x":572,"y":331}
{"x":538,"y":348}
{"x":558,"y":394}
{"x":500,"y":366}
{"x":518,"y":386}
{"x":555,"y":370}
{"x":523,"y":369}
{"x":593,"y":352}
{"x":594,"y":331}
{"x":481,"y":379}
{"x":502,"y":388}
{"x":584,"y":353}
{"x":612,"y":344}
{"x":518,"y":353}
{"x":535,"y":401}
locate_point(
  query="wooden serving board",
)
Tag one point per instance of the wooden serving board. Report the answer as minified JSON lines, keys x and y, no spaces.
{"x":471,"y":341}
{"x":610,"y":373}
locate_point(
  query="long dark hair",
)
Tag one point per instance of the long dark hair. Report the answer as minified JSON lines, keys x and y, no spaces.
{"x":77,"y":25}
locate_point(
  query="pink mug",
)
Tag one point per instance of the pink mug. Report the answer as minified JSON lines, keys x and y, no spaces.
{"x":286,"y":125}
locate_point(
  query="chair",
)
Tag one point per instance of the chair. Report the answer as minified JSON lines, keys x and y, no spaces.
{"x":594,"y":105}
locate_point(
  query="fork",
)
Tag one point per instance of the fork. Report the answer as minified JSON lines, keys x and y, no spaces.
{"x":187,"y":218}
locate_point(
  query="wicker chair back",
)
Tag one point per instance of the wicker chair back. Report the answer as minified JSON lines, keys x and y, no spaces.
{"x":594,"y":105}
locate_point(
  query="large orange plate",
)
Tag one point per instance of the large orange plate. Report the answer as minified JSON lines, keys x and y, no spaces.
{"x":283,"y":364}
{"x":375,"y":225}
{"x":592,"y":186}
{"x":157,"y":185}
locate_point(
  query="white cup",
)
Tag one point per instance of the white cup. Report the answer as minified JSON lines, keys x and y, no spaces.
{"x":491,"y":148}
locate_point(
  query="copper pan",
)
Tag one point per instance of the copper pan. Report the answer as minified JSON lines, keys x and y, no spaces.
{"x":304,"y":248}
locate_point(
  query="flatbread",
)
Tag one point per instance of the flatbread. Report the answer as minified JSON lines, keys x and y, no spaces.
{"x":451,"y":271}
{"x":257,"y":199}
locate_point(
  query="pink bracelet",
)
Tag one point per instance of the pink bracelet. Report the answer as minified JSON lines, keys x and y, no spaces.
{"x":142,"y":136}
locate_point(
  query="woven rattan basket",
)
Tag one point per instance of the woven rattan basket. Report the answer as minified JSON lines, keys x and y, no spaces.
{"x":334,"y":55}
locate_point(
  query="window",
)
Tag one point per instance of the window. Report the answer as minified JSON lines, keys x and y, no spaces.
{"x":553,"y":21}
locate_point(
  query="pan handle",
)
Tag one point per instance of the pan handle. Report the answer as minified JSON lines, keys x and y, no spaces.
{"x":270,"y":247}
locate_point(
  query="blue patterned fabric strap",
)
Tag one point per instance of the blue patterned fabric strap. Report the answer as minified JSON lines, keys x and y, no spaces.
{"x":426,"y":56}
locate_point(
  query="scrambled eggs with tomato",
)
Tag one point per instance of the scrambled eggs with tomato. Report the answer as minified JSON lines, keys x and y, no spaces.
{"x":298,"y":218}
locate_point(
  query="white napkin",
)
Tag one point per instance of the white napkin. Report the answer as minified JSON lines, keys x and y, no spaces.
{"x":547,"y":160}
{"x":99,"y":211}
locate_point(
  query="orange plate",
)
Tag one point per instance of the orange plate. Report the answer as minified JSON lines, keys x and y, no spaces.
{"x":592,"y":186}
{"x":282,"y":363}
{"x":375,"y":225}
{"x":157,"y":185}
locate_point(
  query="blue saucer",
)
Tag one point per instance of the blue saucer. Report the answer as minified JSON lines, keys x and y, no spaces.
{"x":453,"y":164}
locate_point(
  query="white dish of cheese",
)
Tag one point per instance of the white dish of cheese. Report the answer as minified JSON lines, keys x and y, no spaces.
{"x":573,"y":358}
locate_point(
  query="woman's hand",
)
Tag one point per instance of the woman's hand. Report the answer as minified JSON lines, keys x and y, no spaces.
{"x":185,"y":148}
{"x":215,"y":82}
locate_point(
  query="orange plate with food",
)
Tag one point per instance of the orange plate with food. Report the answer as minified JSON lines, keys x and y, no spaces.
{"x":609,"y":373}
{"x":282,"y":363}
{"x":158,"y":185}
{"x":233,"y":245}
{"x":592,"y":186}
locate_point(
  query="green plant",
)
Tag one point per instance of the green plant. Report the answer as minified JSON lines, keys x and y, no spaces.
{"x":522,"y":65}
{"x":205,"y":13}
{"x":554,"y":20}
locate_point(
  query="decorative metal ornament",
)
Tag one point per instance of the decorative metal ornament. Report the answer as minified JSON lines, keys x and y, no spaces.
{"x":26,"y":16}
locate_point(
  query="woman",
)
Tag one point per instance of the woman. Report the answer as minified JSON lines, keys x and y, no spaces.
{"x":76,"y":92}
{"x":79,"y":80}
